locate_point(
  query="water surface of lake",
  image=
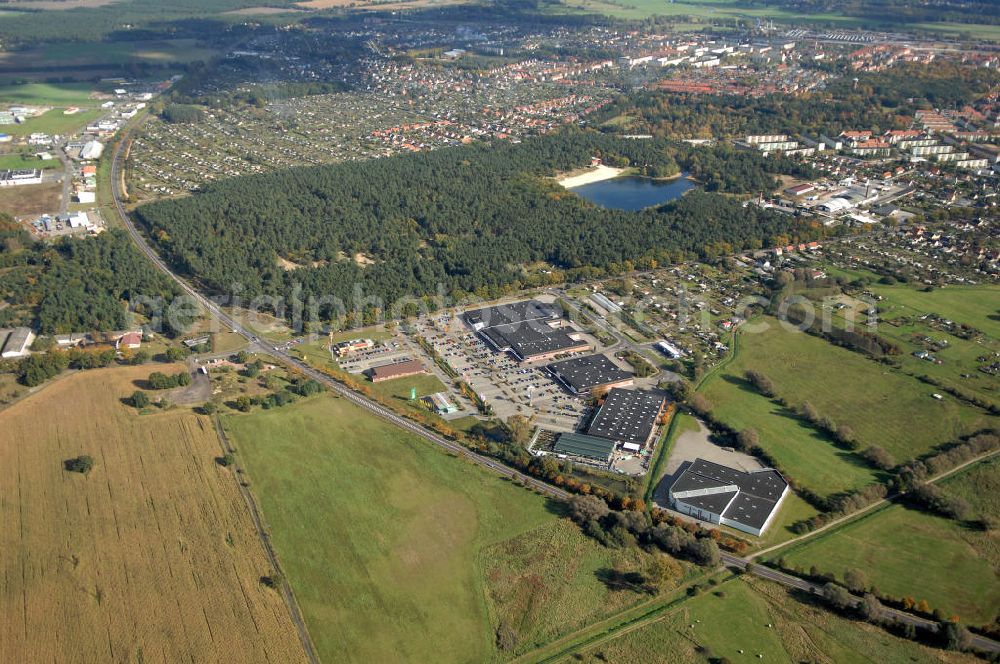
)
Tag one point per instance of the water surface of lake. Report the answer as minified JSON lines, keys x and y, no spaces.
{"x":634,"y":193}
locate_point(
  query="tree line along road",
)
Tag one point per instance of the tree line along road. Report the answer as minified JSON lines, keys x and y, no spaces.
{"x":403,"y":423}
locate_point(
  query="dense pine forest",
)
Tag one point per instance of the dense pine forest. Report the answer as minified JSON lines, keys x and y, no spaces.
{"x":469,"y":220}
{"x":74,"y":285}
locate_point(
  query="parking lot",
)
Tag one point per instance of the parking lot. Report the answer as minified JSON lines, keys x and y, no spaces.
{"x":509,"y":387}
{"x":384,"y":352}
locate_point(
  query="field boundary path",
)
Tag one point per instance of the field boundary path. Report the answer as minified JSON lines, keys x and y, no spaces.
{"x":265,"y":540}
{"x":614,"y":626}
{"x":67,"y":179}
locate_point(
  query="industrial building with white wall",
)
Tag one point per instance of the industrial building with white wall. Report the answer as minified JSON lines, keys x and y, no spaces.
{"x":746,"y":501}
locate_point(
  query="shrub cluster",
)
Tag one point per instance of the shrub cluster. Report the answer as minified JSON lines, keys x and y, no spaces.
{"x":161,"y":381}
{"x":621,"y":529}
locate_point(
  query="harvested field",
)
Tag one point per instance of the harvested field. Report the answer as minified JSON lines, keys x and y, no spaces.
{"x":151,"y":557}
{"x":31,"y":199}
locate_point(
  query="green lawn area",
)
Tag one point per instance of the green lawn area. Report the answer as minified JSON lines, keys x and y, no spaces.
{"x":115,"y":52}
{"x":16,"y":161}
{"x":803,"y":453}
{"x":758,"y":618}
{"x":398,"y":391}
{"x":705,"y":10}
{"x":883,"y":406}
{"x":225,"y":342}
{"x":905,"y":552}
{"x":400,"y":388}
{"x":48,"y":94}
{"x":385,"y":539}
{"x":316,"y":353}
{"x":978,"y":306}
{"x":990,"y":32}
{"x":792,"y":510}
{"x":53,"y":122}
{"x":723,"y":10}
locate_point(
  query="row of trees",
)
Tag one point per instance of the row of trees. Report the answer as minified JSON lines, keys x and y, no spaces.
{"x":856,"y":598}
{"x":842,"y":434}
{"x":40,"y":367}
{"x":949,"y":456}
{"x":36,"y":369}
{"x":948,"y":634}
{"x":933,"y":498}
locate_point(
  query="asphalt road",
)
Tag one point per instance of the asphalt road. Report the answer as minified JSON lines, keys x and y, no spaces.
{"x":455,"y":448}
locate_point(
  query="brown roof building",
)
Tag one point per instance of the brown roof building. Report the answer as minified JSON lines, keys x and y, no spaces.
{"x":396,"y":370}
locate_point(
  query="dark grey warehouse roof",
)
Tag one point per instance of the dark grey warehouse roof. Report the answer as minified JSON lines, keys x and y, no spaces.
{"x":758,"y":491}
{"x":713,"y":502}
{"x":530,"y":338}
{"x":627,"y":416}
{"x":767,"y":484}
{"x":580,"y":374}
{"x":749,"y":510}
{"x":689,"y":481}
{"x":578,"y":444}
{"x":514,"y":312}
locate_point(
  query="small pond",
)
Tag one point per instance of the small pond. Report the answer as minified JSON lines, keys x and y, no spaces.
{"x":634,"y":193}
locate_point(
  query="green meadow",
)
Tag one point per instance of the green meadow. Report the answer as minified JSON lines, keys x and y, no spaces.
{"x":47,"y":94}
{"x":398,"y":551}
{"x":904,"y":552}
{"x":882,"y":405}
{"x":53,"y":122}
{"x":16,"y":161}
